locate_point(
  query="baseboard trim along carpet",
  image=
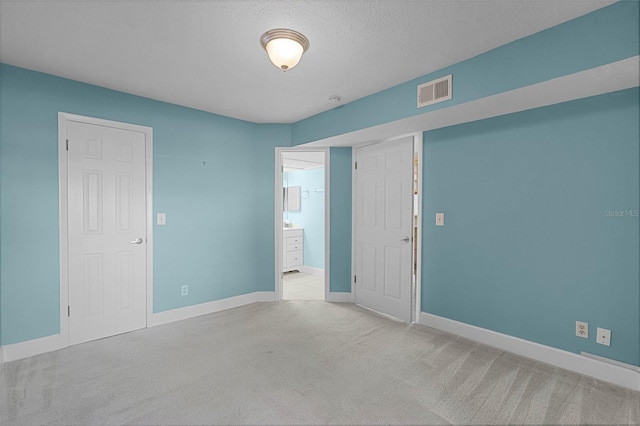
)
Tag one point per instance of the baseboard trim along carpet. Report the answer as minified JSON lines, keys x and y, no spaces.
{"x":55,"y":342}
{"x":33,"y":347}
{"x":210,"y":307}
{"x":557,"y":357}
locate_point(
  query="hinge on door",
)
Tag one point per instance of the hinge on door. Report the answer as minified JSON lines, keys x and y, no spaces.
{"x":355,"y":279}
{"x":282,"y":169}
{"x":68,"y":310}
{"x":356,"y":165}
{"x":67,"y":144}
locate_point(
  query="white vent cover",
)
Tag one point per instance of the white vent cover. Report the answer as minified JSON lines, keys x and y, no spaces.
{"x":434,"y":91}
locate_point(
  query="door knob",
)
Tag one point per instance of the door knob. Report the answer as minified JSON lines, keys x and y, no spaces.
{"x":405,"y":240}
{"x":136,"y":241}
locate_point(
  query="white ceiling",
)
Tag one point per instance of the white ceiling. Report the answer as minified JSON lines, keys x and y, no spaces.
{"x":207,"y":54}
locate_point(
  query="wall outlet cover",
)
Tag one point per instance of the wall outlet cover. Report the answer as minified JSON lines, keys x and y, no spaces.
{"x":582,"y":329}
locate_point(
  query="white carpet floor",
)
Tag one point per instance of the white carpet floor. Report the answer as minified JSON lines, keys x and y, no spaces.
{"x":300,"y":362}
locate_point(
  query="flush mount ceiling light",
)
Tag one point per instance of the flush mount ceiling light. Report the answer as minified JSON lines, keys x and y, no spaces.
{"x":284,"y":47}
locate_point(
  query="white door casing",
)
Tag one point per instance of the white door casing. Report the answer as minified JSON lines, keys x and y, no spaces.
{"x":107,"y":229}
{"x":279,"y":243}
{"x":383,"y":227}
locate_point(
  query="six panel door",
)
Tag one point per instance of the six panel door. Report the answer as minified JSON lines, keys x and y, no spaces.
{"x":383,"y":227}
{"x":106,"y":231}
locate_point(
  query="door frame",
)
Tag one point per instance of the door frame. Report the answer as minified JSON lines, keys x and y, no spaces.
{"x":278,"y":218}
{"x":416,"y":280}
{"x":63,"y":119}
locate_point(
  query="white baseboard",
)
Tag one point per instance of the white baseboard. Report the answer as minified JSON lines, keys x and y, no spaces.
{"x":211,"y":307}
{"x":611,"y":361}
{"x":33,"y":347}
{"x":311,"y":270}
{"x":600,"y":370}
{"x":52,"y":343}
{"x":339,"y":297}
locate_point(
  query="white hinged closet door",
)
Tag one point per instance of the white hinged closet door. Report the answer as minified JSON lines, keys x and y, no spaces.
{"x":106,"y":231}
{"x":383,"y":244}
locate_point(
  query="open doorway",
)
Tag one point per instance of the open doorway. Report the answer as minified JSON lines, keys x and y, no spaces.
{"x":302,"y":206}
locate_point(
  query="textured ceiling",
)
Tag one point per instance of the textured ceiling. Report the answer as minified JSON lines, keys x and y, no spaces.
{"x":207,"y":54}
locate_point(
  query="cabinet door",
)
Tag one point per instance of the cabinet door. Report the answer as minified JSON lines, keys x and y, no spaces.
{"x":294,"y":259}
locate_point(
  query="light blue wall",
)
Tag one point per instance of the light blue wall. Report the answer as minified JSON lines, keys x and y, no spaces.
{"x":601,"y":37}
{"x":340,"y":219}
{"x":528,"y":247}
{"x":262,"y":162}
{"x":311,"y":214}
{"x":215,"y":227}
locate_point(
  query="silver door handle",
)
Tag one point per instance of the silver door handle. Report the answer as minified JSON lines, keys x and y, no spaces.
{"x":136,"y":241}
{"x":405,"y":239}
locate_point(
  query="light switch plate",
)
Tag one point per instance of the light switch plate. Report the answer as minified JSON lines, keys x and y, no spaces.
{"x":162,"y":218}
{"x":604,"y":336}
{"x":439,"y":219}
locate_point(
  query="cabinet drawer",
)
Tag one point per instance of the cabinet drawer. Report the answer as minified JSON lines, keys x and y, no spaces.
{"x":293,"y":240}
{"x":294,"y":258}
{"x":292,"y":233}
{"x":294,"y":247}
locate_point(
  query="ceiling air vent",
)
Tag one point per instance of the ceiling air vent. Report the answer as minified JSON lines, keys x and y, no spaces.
{"x":434,"y":91}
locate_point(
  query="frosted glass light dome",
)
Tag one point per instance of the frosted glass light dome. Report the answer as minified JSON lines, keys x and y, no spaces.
{"x":284,"y":47}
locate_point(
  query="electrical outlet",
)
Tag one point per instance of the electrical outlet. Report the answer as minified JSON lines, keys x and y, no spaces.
{"x":604,"y":336}
{"x":582,"y":329}
{"x":184,"y":290}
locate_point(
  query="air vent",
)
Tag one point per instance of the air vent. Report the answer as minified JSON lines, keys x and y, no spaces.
{"x":434,"y":91}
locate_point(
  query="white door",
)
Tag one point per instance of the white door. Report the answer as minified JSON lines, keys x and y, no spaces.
{"x":383,"y":227}
{"x":106,"y":231}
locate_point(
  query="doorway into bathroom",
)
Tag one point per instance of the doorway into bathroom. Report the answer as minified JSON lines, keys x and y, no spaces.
{"x":302,"y":254}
